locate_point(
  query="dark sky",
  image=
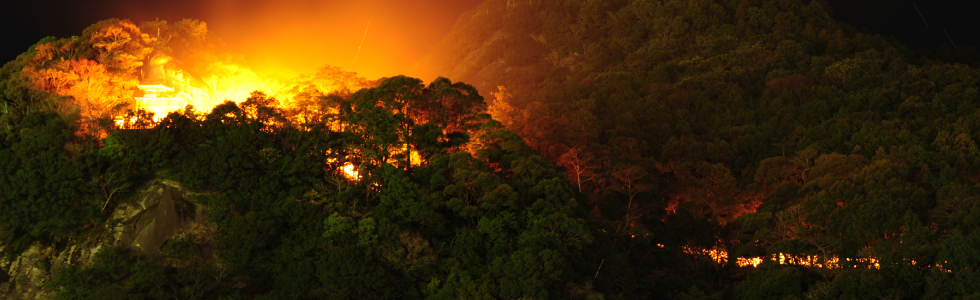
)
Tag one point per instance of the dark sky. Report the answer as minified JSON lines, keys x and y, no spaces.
{"x":901,"y":18}
{"x":302,"y":34}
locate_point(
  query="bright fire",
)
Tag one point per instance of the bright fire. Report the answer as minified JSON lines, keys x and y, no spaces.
{"x":350,"y":172}
{"x":720,"y":256}
{"x":166,"y":88}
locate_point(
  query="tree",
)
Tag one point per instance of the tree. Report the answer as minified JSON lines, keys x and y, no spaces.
{"x":629,"y":180}
{"x":119,"y":45}
{"x":579,"y":163}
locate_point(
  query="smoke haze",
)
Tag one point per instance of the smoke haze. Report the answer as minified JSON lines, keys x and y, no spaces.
{"x":286,"y":37}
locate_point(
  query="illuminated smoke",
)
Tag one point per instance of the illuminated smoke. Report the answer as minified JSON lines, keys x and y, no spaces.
{"x":294,"y":36}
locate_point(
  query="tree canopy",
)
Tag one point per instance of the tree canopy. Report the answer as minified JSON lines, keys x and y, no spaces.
{"x":759,"y":127}
{"x":700,"y":149}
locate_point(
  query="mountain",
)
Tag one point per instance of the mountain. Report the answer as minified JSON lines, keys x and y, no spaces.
{"x":394,"y":189}
{"x":759,"y":129}
{"x":700,"y":149}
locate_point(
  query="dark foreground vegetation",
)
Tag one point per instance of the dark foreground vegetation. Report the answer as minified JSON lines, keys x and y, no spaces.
{"x":495,"y":222}
{"x":765,"y":124}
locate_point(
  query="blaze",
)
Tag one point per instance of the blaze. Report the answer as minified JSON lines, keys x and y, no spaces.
{"x":350,"y":172}
{"x":166,"y":87}
{"x":720,"y":256}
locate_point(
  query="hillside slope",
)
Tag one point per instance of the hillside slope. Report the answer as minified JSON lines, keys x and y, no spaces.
{"x":400,"y":190}
{"x":792,"y":132}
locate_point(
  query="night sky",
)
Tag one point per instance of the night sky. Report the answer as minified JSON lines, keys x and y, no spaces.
{"x":302,"y":34}
{"x":902,"y":19}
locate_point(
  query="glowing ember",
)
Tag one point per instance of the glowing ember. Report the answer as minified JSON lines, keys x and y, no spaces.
{"x":350,"y":172}
{"x":746,"y":262}
{"x":720,"y":256}
{"x":167,"y":88}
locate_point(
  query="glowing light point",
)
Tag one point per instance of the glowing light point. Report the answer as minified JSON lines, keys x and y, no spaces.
{"x":350,"y":172}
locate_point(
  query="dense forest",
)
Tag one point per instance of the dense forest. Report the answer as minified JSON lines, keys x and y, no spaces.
{"x":764,"y":128}
{"x":477,"y":214}
{"x":699,"y":149}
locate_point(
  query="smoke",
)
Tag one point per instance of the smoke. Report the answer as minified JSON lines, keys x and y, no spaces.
{"x":275,"y":36}
{"x":297,"y":36}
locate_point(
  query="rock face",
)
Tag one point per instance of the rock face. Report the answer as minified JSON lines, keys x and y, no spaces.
{"x":158,"y":212}
{"x":164,"y":215}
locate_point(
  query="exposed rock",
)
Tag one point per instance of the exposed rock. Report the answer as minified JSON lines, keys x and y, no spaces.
{"x":164,"y":216}
{"x":158,"y":212}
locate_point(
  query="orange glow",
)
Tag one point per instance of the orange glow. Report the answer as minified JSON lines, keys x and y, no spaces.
{"x":351,"y":172}
{"x":720,"y":256}
{"x":415,"y":159}
{"x":747,"y":262}
{"x":291,"y":37}
{"x":167,"y":88}
{"x":717,"y":255}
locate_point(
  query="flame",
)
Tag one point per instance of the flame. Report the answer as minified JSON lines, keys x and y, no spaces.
{"x":720,"y":256}
{"x":746,"y":262}
{"x":351,"y":172}
{"x":227,"y":82}
{"x":293,"y":35}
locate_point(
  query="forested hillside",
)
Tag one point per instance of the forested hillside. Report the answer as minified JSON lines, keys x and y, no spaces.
{"x":400,"y":190}
{"x":700,"y":149}
{"x":496,"y":222}
{"x":766,"y":125}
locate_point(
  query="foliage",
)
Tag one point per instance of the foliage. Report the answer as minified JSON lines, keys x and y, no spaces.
{"x":785,"y":129}
{"x":498,"y":223}
{"x":757,"y":127}
{"x":49,"y":183}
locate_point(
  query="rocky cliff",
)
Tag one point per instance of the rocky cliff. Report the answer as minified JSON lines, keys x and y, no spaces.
{"x":159,"y":211}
